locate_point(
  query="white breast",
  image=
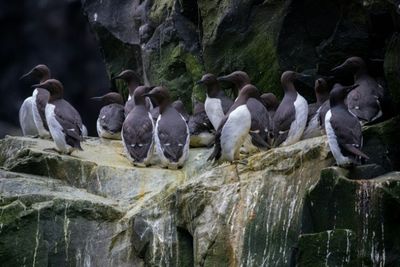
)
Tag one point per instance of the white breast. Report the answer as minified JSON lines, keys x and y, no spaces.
{"x":103,"y":133}
{"x":313,"y":128}
{"x":165,"y":162}
{"x":333,"y":144}
{"x":299,"y":124}
{"x":56,"y":130}
{"x":214,"y":111}
{"x":37,"y":119}
{"x":26,"y":118}
{"x":234,"y":132}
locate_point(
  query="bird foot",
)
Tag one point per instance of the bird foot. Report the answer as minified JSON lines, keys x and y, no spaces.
{"x":241,"y":161}
{"x":52,"y":149}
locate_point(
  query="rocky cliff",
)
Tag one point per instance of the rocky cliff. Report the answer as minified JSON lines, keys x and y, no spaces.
{"x":285,"y":207}
{"x":173,"y":42}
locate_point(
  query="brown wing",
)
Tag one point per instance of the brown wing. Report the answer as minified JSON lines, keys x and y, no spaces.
{"x":348,"y":132}
{"x":138,"y":135}
{"x":112,"y":117}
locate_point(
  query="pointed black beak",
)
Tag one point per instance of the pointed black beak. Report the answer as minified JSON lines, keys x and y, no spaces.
{"x":116,"y":77}
{"x":25,"y":75}
{"x":223,"y":78}
{"x":97,"y":98}
{"x":339,"y":68}
{"x":36,"y":85}
{"x":199,"y":82}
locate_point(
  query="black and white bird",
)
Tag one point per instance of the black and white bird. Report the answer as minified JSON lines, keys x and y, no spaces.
{"x":133,"y":82}
{"x":201,"y":131}
{"x":260,"y":119}
{"x":343,"y":128}
{"x":290,"y":118}
{"x":234,"y":127}
{"x":111,"y":116}
{"x":32,"y":112}
{"x":180,"y":107}
{"x":138,"y":131}
{"x":217,"y":103}
{"x":171,"y":131}
{"x":314,"y":127}
{"x":64,"y":121}
{"x":364,"y":101}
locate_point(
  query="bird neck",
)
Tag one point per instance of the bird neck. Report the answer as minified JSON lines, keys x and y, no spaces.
{"x":321,"y":97}
{"x":45,"y":77}
{"x":132,"y":85}
{"x":164,"y":105}
{"x":361,"y":72}
{"x":213,"y":90}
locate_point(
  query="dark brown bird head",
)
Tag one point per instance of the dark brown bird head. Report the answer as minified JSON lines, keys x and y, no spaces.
{"x":339,"y":94}
{"x":238,"y":78}
{"x":321,"y":90}
{"x":161,"y":95}
{"x":249,"y":91}
{"x":40,"y":72}
{"x":109,"y":98}
{"x":352,"y":65}
{"x":208,"y":79}
{"x":140,"y":94}
{"x":270,"y":101}
{"x":289,"y":77}
{"x":54,"y":86}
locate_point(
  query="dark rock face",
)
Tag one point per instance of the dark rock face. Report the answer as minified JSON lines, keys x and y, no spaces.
{"x":174,"y":42}
{"x":57,"y":34}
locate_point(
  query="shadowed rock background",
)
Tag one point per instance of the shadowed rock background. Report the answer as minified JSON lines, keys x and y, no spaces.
{"x":57,"y":34}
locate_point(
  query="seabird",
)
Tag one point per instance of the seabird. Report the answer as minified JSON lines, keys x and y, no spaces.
{"x":343,"y":128}
{"x":313,"y":127}
{"x":364,"y":101}
{"x":290,"y":118}
{"x":111,"y":116}
{"x":260,"y":119}
{"x":32,"y":114}
{"x":171,"y":131}
{"x":234,"y":127}
{"x":217,"y":103}
{"x":138,"y":130}
{"x":200,"y":128}
{"x":64,"y":121}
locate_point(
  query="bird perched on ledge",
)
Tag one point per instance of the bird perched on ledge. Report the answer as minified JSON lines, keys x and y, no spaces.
{"x":138,"y":130}
{"x":343,"y":128}
{"x":171,"y":131}
{"x":64,"y":121}
{"x":290,"y":118}
{"x":234,"y":127}
{"x":111,"y":116}
{"x":32,"y":112}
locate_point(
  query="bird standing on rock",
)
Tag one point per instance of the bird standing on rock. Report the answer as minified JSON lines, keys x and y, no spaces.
{"x":111,"y":116}
{"x":178,"y":105}
{"x":32,"y":112}
{"x":234,"y":127}
{"x":171,"y":132}
{"x":343,"y":128}
{"x":260,"y":120}
{"x":200,"y":127}
{"x":313,"y":128}
{"x":217,"y":104}
{"x":138,"y":130}
{"x":64,"y":121}
{"x":290,"y":118}
{"x":364,"y":101}
{"x":133,"y":81}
